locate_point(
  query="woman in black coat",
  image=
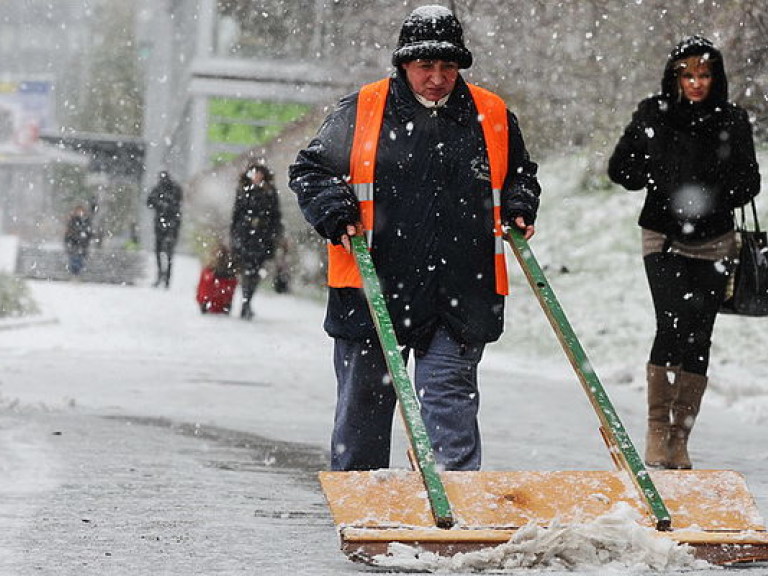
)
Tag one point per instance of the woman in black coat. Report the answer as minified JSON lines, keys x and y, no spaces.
{"x":693,"y":152}
{"x":255,"y":230}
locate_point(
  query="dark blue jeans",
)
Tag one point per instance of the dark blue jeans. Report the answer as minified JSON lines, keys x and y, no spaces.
{"x":76,"y":263}
{"x":446,"y":385}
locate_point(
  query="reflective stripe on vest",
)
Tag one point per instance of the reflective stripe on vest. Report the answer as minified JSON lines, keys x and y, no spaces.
{"x":492,"y":114}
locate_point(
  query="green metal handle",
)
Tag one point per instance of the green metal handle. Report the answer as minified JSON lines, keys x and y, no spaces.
{"x":409,"y":404}
{"x":613,"y":429}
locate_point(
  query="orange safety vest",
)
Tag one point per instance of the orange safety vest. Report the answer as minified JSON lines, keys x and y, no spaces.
{"x":492,"y":113}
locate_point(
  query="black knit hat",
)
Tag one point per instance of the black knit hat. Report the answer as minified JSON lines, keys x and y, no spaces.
{"x":432,"y":33}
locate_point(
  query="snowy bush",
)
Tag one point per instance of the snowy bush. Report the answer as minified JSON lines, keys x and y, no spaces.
{"x":15,"y":299}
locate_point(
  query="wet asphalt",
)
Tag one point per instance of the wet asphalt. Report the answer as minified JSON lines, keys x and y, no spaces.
{"x":88,"y":494}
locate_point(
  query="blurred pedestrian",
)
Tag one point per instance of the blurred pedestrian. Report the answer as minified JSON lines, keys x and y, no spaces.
{"x":165,"y":199}
{"x":282,"y":279}
{"x":255,"y":230}
{"x":693,"y":152}
{"x":77,"y":239}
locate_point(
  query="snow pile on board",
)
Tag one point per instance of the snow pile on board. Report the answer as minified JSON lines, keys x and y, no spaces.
{"x":615,"y":540}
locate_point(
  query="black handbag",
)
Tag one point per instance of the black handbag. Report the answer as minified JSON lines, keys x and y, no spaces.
{"x":749,"y":296}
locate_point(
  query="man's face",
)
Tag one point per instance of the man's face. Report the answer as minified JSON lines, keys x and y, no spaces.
{"x":431,"y":79}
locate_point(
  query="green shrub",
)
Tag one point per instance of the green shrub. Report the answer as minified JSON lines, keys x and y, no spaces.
{"x":15,"y":298}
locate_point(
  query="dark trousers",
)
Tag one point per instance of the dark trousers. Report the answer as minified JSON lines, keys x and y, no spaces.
{"x":249,"y":282}
{"x":687,"y":293}
{"x":446,"y":385}
{"x":76,"y":262}
{"x":165,"y":244}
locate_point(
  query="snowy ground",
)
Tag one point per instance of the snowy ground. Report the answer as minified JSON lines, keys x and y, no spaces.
{"x":138,"y":436}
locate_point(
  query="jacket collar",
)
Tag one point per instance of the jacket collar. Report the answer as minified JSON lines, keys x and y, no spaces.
{"x":459,"y":106}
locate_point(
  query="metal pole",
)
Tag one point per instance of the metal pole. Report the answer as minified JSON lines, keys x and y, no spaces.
{"x":155,"y":30}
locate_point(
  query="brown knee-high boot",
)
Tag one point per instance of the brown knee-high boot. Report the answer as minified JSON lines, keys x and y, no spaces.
{"x":684,"y":411}
{"x":662,"y":390}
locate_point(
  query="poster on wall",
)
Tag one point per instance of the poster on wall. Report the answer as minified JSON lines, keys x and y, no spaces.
{"x":26,"y":108}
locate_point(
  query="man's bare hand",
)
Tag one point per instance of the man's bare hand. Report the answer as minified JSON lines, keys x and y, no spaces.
{"x":528,"y":230}
{"x":352,"y":230}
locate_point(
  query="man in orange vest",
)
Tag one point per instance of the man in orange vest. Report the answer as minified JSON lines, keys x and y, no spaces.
{"x":430,"y":169}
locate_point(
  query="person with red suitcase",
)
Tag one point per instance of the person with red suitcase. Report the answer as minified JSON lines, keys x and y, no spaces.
{"x":217,"y":284}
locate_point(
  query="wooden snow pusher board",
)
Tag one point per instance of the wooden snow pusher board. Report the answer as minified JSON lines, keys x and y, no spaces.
{"x":712,"y":510}
{"x":451,"y":512}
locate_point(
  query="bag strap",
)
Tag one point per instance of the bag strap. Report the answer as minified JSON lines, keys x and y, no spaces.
{"x":740,"y":217}
{"x":754,"y":215}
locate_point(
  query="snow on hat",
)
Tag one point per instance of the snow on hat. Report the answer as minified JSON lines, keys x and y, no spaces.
{"x":692,"y":46}
{"x":432,"y":33}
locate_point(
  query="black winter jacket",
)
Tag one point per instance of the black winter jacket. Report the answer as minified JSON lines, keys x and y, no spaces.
{"x":165,"y":199}
{"x":77,"y":236}
{"x":697,"y":161}
{"x":433,"y":241}
{"x":256,"y":224}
